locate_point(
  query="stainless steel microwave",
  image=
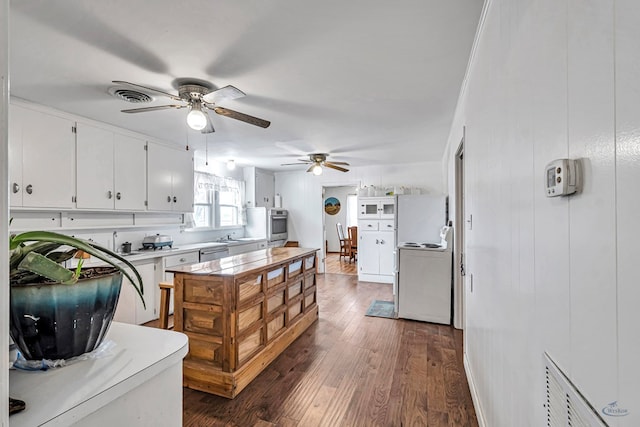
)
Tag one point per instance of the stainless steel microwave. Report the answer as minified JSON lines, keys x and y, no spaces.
{"x":277,"y":224}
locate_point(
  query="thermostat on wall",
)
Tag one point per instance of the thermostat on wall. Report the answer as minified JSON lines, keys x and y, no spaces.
{"x":563,"y":177}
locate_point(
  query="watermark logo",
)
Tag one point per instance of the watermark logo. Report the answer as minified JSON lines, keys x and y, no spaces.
{"x":613,"y":410}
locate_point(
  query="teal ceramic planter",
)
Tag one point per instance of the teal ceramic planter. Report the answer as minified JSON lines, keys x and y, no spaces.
{"x":55,"y":321}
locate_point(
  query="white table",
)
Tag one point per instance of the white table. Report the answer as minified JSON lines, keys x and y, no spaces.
{"x":140,"y":384}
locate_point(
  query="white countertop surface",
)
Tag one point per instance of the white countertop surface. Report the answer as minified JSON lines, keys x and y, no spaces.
{"x":166,"y":251}
{"x":59,"y":397}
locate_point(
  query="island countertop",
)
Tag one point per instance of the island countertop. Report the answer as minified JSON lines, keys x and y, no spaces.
{"x":241,"y":312}
{"x":243,"y":263}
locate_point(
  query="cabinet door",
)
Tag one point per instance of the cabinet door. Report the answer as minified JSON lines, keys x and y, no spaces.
{"x":265,"y":189}
{"x":94,"y":167}
{"x":130,"y":173}
{"x":368,"y":208}
{"x":368,"y":249}
{"x":129,"y":308}
{"x":182,"y":181}
{"x":48,"y":166}
{"x":387,"y":208}
{"x":386,"y":248}
{"x":159,"y":176}
{"x":16,"y":118}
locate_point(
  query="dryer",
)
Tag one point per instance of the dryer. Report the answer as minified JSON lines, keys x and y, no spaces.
{"x":424,"y":279}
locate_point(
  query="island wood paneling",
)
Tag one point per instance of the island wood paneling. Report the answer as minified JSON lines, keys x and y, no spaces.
{"x":241,"y":312}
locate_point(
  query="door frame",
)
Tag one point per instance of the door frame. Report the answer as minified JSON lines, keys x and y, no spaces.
{"x":459,"y":236}
{"x":356,"y":185}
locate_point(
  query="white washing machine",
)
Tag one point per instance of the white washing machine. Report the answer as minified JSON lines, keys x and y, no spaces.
{"x":424,"y":279}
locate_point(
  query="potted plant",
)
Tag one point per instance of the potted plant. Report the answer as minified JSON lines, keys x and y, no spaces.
{"x":59,"y":313}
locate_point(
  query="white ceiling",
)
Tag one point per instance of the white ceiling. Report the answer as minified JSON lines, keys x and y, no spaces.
{"x":368,"y":81}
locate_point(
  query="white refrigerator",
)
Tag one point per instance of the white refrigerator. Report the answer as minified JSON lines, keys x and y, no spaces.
{"x":419,"y":217}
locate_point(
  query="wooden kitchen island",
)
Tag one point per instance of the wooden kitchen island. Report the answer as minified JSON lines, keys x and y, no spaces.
{"x":241,"y":312}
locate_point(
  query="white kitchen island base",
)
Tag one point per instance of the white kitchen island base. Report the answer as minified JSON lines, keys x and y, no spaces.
{"x":139,"y":384}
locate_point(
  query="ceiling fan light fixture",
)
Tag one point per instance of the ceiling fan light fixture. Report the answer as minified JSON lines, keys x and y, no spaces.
{"x":231,"y":165}
{"x":317,"y":169}
{"x":196,"y":119}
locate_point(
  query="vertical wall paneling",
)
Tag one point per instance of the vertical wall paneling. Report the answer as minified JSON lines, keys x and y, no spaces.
{"x":592,"y":256}
{"x":551,"y":80}
{"x":4,"y":209}
{"x":627,"y":93}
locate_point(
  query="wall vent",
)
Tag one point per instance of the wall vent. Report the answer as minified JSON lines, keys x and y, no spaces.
{"x":564,"y":405}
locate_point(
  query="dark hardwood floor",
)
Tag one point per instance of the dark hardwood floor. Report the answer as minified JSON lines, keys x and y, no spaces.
{"x":348,"y":369}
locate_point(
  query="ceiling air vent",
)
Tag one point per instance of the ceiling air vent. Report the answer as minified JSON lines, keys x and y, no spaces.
{"x":130,"y":95}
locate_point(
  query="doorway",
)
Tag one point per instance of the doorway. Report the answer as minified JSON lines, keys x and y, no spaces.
{"x":339,"y":206}
{"x":459,"y":238}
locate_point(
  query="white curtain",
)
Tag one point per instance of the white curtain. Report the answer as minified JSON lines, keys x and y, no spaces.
{"x":205,"y":183}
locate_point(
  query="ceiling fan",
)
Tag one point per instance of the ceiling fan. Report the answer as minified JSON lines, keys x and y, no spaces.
{"x":317,"y":161}
{"x":198,"y":98}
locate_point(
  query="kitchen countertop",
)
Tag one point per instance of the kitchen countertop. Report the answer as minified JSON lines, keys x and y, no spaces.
{"x":166,"y":251}
{"x":65,"y":395}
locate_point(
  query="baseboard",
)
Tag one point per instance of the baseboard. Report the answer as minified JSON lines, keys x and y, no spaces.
{"x":474,"y":392}
{"x":376,"y":278}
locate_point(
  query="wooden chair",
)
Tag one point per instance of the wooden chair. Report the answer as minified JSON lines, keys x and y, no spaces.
{"x":165,"y":294}
{"x":353,"y":243}
{"x":345,"y":251}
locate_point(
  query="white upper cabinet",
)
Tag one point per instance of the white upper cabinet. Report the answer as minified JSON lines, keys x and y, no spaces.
{"x":170,"y":179}
{"x":111,"y":170}
{"x":259,"y":187}
{"x":41,"y":159}
{"x":130,"y":172}
{"x":376,"y":207}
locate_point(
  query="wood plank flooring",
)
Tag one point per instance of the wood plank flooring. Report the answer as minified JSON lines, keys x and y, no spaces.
{"x":336,"y":265}
{"x":348,"y":369}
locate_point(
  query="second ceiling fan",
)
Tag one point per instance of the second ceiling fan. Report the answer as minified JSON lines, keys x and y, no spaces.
{"x":317,"y":161}
{"x":198,"y":99}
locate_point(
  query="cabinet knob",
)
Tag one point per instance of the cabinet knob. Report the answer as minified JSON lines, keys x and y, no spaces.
{"x":118,"y":195}
{"x":183,"y":259}
{"x":175,"y":199}
{"x":169,"y":199}
{"x":377,"y":241}
{"x":381,"y":242}
{"x":109,"y":194}
{"x":29,"y":189}
{"x":16,"y":187}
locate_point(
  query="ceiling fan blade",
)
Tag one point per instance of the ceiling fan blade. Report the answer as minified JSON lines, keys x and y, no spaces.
{"x":209,"y":127}
{"x":174,"y":97}
{"x":296,"y":164}
{"x":332,"y":166}
{"x":242,"y":117}
{"x":156,"y":108}
{"x":311,"y":168}
{"x":339,"y":163}
{"x":223,"y":94}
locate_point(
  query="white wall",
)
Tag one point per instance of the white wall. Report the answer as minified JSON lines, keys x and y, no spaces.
{"x":4,"y":210}
{"x":302,"y":193}
{"x":552,"y":79}
{"x":330,"y":221}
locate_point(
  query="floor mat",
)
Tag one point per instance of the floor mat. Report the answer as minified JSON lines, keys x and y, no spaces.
{"x":381,"y":309}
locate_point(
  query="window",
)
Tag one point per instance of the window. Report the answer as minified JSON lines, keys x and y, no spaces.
{"x":217,"y":201}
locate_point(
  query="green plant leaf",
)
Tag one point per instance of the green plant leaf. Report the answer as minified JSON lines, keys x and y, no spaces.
{"x":91,"y":248}
{"x":39,"y":264}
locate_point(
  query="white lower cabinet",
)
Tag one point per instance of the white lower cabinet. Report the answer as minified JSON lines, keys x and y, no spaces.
{"x":173,"y":261}
{"x":247,"y":247}
{"x":376,"y":256}
{"x":130,"y":308}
